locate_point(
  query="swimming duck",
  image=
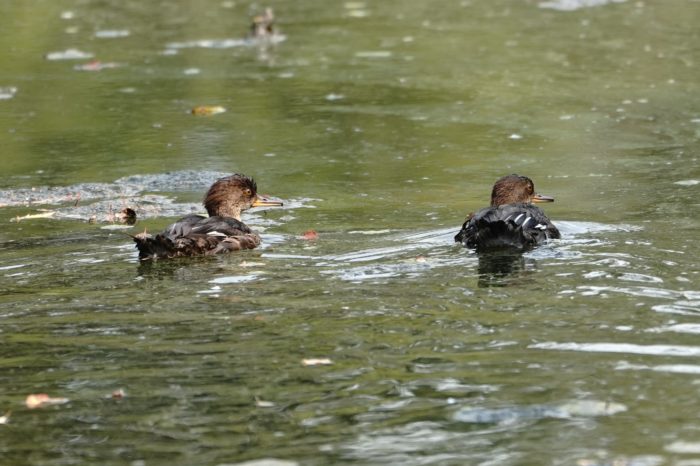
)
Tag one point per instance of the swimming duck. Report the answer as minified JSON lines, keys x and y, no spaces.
{"x":263,"y":25}
{"x":512,"y":221}
{"x":221,"y":232}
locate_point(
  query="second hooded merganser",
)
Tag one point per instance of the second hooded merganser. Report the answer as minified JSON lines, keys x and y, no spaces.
{"x":221,"y":232}
{"x":512,"y":221}
{"x":263,"y":26}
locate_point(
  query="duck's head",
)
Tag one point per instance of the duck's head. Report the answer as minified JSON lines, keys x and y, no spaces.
{"x":514,"y":189}
{"x":231,"y":195}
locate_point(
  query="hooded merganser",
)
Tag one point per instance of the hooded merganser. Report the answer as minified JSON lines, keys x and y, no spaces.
{"x":263,"y":25}
{"x":511,"y":222}
{"x":221,"y":232}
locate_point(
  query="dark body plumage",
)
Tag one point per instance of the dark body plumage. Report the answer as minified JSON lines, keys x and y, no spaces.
{"x":221,"y":232}
{"x":511,"y":222}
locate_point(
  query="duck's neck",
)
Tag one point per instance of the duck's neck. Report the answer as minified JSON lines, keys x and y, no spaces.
{"x":226,"y":211}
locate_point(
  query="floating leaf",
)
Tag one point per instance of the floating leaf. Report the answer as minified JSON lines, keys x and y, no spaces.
{"x":310,"y":235}
{"x":205,"y":110}
{"x":41,"y":399}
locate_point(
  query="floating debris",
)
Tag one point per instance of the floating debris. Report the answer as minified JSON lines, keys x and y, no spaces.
{"x":265,"y":462}
{"x":43,"y":214}
{"x":572,"y":5}
{"x":245,"y":264}
{"x":118,"y":394}
{"x":310,"y":235}
{"x":687,"y":182}
{"x":316,"y":362}
{"x":206,"y":110}
{"x":374,"y":54}
{"x":683,"y":447}
{"x":6,"y":418}
{"x":112,"y":33}
{"x":264,"y":404}
{"x":356,"y":9}
{"x":234,"y":279}
{"x":7,"y":93}
{"x":127,"y":216}
{"x":42,"y":399}
{"x":96,"y":65}
{"x":70,"y":54}
{"x":209,"y":44}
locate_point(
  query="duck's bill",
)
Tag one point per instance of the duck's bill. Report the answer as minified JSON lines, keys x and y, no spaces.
{"x":542,"y":198}
{"x":264,"y":201}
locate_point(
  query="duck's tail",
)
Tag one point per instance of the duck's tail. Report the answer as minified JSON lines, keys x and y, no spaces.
{"x":158,"y":247}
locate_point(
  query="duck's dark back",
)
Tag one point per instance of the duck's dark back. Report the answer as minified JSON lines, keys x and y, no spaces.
{"x":513,"y":226}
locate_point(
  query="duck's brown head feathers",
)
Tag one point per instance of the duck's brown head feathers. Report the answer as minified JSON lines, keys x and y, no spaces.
{"x":513,"y":189}
{"x":231,"y":195}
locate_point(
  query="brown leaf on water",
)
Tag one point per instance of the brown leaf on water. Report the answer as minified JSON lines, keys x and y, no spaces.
{"x":205,"y":110}
{"x":310,"y":235}
{"x":316,"y":362}
{"x":37,"y":400}
{"x":118,"y":394}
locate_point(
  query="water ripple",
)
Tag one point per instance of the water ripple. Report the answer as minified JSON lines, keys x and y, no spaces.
{"x":513,"y":414}
{"x":654,"y":350}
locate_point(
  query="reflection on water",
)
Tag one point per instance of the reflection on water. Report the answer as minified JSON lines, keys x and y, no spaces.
{"x":496,"y":268}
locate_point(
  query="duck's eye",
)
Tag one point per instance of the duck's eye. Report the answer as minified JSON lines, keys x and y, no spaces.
{"x":248,"y":192}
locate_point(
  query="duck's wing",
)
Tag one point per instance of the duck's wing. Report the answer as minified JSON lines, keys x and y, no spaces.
{"x":183,"y":227}
{"x":221,"y":226}
{"x":519,"y":226}
{"x":216,"y":235}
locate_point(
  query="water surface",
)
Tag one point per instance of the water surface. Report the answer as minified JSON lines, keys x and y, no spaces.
{"x":382,"y":124}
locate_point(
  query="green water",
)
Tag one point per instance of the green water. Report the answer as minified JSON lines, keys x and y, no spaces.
{"x":382,"y":124}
